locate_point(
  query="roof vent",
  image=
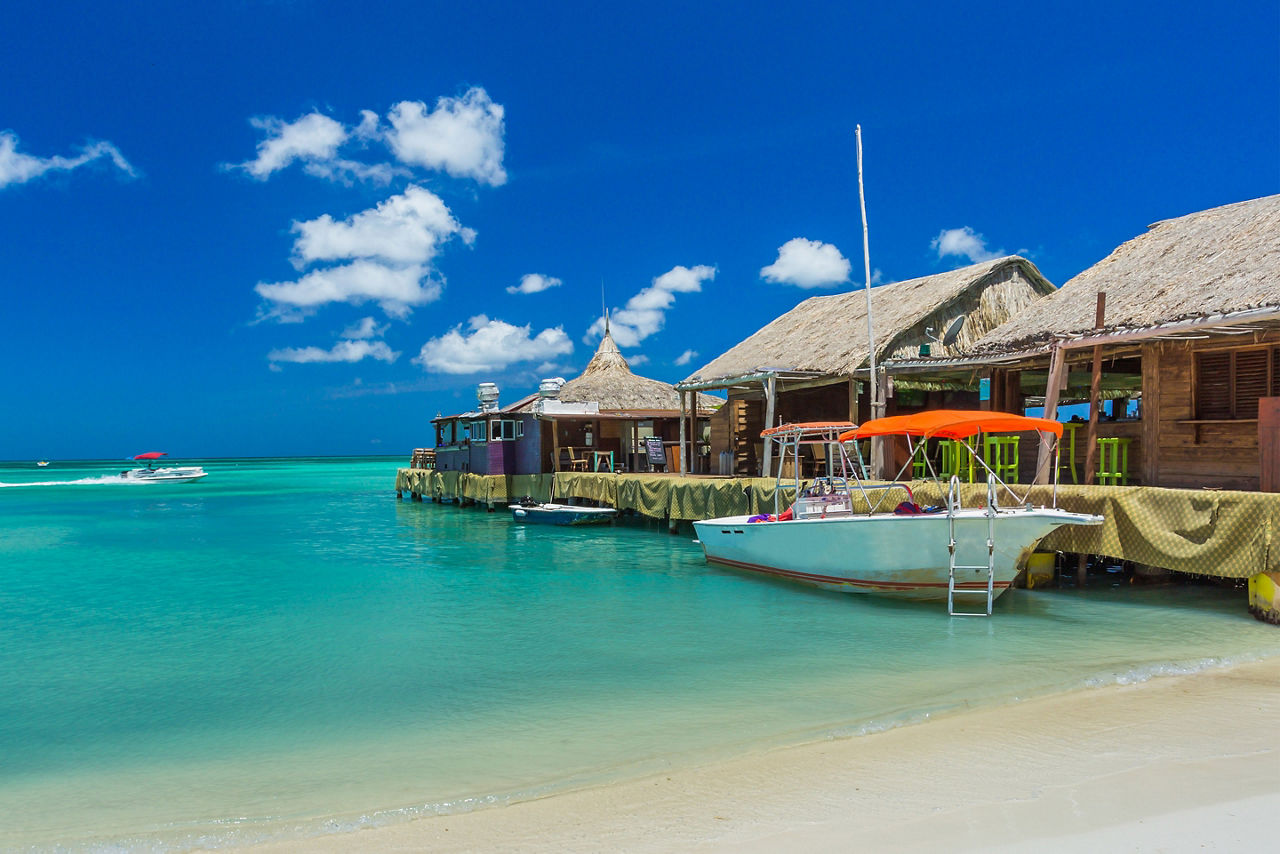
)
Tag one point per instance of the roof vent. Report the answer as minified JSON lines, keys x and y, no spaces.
{"x":487,"y":394}
{"x":550,"y":388}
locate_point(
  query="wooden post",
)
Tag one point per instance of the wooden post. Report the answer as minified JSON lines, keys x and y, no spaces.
{"x":770,"y":396}
{"x":1095,"y":388}
{"x":880,"y":462}
{"x":1057,"y":365}
{"x":853,"y":401}
{"x":693,"y":431}
{"x":683,"y":467}
{"x":555,"y":444}
{"x":1150,"y":414}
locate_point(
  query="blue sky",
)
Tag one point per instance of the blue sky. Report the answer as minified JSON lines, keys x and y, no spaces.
{"x":307,"y":227}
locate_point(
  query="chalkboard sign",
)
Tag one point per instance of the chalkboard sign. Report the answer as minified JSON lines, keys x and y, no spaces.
{"x":653,"y":447}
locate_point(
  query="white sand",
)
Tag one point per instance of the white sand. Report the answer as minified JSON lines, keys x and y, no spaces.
{"x":1188,"y":763}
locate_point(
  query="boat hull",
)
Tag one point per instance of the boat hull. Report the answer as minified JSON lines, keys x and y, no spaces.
{"x":165,"y":475}
{"x":561,"y":514}
{"x":904,"y":557}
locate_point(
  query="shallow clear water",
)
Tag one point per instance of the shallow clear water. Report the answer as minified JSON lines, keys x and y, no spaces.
{"x":283,"y":649}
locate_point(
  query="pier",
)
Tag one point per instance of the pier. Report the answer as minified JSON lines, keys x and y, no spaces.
{"x":1214,"y":533}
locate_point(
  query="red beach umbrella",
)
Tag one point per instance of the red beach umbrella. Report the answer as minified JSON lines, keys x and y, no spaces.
{"x":151,"y":455}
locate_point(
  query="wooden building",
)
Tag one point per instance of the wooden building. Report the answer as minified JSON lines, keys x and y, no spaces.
{"x":609,"y":410}
{"x":491,"y":439}
{"x":1187,"y":327}
{"x":806,"y":364}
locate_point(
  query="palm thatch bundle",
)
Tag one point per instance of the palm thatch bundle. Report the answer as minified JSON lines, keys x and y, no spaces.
{"x":1213,"y":262}
{"x":828,"y":335}
{"x":609,"y":382}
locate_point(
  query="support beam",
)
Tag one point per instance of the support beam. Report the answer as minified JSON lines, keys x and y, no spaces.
{"x":683,"y":466}
{"x":770,"y":400}
{"x":1095,"y":388}
{"x":880,"y":464}
{"x":555,"y":444}
{"x":1057,"y":374}
{"x":1150,"y":408}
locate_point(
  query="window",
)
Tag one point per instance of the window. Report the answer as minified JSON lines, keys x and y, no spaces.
{"x":446,"y":434}
{"x":478,"y":431}
{"x":506,"y":430}
{"x":1229,"y":382}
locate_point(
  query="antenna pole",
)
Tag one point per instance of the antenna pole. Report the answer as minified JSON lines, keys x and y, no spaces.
{"x":877,"y":405}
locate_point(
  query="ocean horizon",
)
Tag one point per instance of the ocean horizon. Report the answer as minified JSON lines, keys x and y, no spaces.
{"x":284,"y":650}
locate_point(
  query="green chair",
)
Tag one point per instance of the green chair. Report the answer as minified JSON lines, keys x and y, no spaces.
{"x":1001,"y":456}
{"x":920,"y":462}
{"x":1113,"y":460}
{"x":957,"y":460}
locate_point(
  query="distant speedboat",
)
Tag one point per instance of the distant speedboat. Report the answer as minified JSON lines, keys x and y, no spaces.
{"x":172,"y":474}
{"x":43,"y":463}
{"x":560,"y":514}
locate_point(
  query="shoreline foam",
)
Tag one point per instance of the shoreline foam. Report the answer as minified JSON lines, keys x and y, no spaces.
{"x":1184,"y":762}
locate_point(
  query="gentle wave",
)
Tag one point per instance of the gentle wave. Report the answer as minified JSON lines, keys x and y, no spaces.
{"x":236,"y":833}
{"x":84,"y":481}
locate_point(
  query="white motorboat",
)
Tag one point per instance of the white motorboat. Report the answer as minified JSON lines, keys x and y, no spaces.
{"x":901,"y":550}
{"x":42,"y":463}
{"x":560,"y":514}
{"x":170,"y":474}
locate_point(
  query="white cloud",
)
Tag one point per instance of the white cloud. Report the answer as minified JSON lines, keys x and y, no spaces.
{"x":18,"y":168}
{"x":963,"y":243}
{"x":637,"y":360}
{"x":686,"y":357}
{"x":461,"y":136}
{"x":365,"y":328}
{"x":311,"y":138}
{"x":390,"y":249}
{"x":395,"y":289}
{"x":491,"y":345}
{"x":343,"y":351}
{"x":532,"y":283}
{"x":807,"y":264}
{"x":645,"y":313}
{"x":404,"y":229}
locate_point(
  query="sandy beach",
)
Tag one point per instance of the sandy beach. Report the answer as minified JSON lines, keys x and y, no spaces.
{"x":1172,"y":764}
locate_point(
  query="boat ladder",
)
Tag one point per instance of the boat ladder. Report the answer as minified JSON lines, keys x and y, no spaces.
{"x":953,"y":588}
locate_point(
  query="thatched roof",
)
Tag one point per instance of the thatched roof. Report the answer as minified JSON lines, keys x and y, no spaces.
{"x":1213,"y":262}
{"x":827,"y":335}
{"x":609,"y":382}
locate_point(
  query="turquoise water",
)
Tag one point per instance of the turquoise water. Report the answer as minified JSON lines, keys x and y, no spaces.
{"x":284,"y":650}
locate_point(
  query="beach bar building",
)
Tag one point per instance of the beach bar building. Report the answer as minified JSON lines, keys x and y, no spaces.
{"x":609,"y":418}
{"x":489,"y":439}
{"x":1183,"y":324}
{"x":811,"y":364}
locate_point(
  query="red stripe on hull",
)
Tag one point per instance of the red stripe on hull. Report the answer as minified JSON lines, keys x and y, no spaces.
{"x":866,"y":583}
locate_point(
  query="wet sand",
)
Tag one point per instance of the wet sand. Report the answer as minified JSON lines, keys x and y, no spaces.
{"x":1184,"y":763}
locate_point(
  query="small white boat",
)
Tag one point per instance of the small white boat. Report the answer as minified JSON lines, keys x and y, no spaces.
{"x":560,"y":514}
{"x":171,"y":474}
{"x":901,"y":551}
{"x":42,"y":463}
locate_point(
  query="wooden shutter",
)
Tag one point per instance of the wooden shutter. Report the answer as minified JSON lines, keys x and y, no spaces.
{"x":1213,"y":385}
{"x":1250,"y":381}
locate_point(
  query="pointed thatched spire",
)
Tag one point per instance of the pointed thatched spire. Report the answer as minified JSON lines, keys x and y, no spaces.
{"x":609,"y":382}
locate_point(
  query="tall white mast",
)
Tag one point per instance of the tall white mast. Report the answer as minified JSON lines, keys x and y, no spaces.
{"x":877,"y":405}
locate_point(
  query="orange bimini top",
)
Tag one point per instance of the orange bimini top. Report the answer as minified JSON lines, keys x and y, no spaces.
{"x":951,"y":424}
